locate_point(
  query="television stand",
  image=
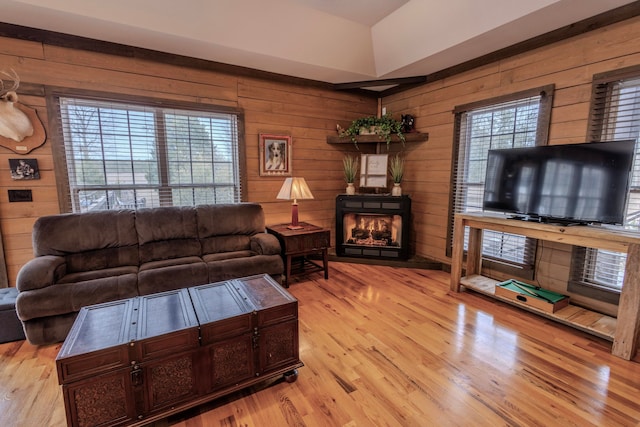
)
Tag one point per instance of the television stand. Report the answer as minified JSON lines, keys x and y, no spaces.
{"x":623,"y":331}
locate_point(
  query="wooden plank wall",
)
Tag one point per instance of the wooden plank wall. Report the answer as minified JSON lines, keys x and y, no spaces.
{"x":310,"y":113}
{"x":569,"y":65}
{"x":307,"y":112}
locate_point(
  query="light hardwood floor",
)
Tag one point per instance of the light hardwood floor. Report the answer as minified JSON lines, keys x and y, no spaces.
{"x":386,"y":346}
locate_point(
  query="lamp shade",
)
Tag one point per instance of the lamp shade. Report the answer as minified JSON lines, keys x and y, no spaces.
{"x":293,"y":189}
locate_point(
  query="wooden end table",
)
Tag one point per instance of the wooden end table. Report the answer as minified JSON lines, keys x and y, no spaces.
{"x":298,"y":243}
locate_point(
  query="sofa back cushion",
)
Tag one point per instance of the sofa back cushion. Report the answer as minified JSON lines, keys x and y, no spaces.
{"x":167,"y":232}
{"x":226,"y":228}
{"x":88,"y":241}
{"x":232,"y":243}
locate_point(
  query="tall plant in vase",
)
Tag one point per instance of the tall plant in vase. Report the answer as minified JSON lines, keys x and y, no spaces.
{"x":396,"y":169}
{"x":350,"y":165}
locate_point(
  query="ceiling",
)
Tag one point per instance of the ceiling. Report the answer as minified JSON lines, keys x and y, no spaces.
{"x":335,"y":41}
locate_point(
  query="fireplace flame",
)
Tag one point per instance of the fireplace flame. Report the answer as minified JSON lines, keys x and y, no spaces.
{"x":372,"y":230}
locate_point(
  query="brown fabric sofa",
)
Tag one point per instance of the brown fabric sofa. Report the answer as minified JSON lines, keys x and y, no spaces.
{"x":88,"y":258}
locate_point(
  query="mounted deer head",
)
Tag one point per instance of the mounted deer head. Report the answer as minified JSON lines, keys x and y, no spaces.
{"x":14,"y":123}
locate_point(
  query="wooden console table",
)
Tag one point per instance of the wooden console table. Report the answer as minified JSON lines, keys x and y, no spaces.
{"x":623,"y":331}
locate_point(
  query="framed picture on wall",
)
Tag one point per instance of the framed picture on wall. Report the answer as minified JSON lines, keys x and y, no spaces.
{"x":275,"y":155}
{"x":22,"y":169}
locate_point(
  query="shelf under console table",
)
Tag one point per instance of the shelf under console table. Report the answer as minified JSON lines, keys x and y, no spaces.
{"x":623,"y":330}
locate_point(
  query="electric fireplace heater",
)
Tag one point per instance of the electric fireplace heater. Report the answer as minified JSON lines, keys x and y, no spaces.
{"x":373,"y":226}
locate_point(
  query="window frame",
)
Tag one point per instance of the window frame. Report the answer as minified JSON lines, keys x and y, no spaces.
{"x":53,"y":95}
{"x":583,"y":259}
{"x":526,"y":270}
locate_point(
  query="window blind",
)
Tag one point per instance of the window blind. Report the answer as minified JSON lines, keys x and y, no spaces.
{"x":519,"y":120}
{"x":130,"y":155}
{"x":615,"y":115}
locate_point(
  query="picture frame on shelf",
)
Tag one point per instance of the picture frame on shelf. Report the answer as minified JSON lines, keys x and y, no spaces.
{"x":275,"y":154}
{"x":373,"y":170}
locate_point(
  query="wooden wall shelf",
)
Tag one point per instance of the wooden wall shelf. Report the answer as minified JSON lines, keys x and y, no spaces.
{"x":375,"y":139}
{"x":623,"y":331}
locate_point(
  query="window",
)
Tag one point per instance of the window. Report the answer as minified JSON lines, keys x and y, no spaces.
{"x":519,"y":120}
{"x":129,"y":155}
{"x":615,"y":115}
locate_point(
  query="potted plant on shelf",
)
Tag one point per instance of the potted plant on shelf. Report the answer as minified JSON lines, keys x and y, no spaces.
{"x":384,"y":127}
{"x":350,"y":164}
{"x":396,"y":169}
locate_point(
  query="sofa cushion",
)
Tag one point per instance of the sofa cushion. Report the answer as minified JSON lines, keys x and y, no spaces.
{"x":155,"y":251}
{"x":65,"y":298}
{"x":232,"y":243}
{"x":238,"y":218}
{"x":169,"y":277}
{"x":84,"y":276}
{"x":108,"y":239}
{"x":103,"y":259}
{"x":226,"y":255}
{"x":169,"y":262}
{"x":168,"y":232}
{"x":223,"y":228}
{"x":240,"y":267}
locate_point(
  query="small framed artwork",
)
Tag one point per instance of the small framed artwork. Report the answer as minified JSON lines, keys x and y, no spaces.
{"x":373,"y":170}
{"x":22,"y":169}
{"x":275,"y":155}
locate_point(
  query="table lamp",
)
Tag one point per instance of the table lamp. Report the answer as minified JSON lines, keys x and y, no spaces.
{"x":294,"y":189}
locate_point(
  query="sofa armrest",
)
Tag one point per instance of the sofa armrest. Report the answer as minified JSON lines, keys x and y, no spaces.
{"x":265,"y":244}
{"x":40,"y":272}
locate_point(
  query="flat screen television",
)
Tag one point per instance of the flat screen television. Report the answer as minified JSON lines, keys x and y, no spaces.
{"x":572,"y":183}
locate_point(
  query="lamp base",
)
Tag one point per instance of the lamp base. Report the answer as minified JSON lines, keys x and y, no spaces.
{"x":294,"y":217}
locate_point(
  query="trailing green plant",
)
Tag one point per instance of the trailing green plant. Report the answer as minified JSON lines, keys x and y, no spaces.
{"x":350,"y":164}
{"x":384,"y":127}
{"x":396,"y":168}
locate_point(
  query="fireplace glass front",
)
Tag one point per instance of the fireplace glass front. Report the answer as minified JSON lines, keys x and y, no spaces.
{"x":372,"y":230}
{"x":372,"y":226}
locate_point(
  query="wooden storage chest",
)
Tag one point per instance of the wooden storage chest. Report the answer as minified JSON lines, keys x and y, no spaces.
{"x":133,"y":361}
